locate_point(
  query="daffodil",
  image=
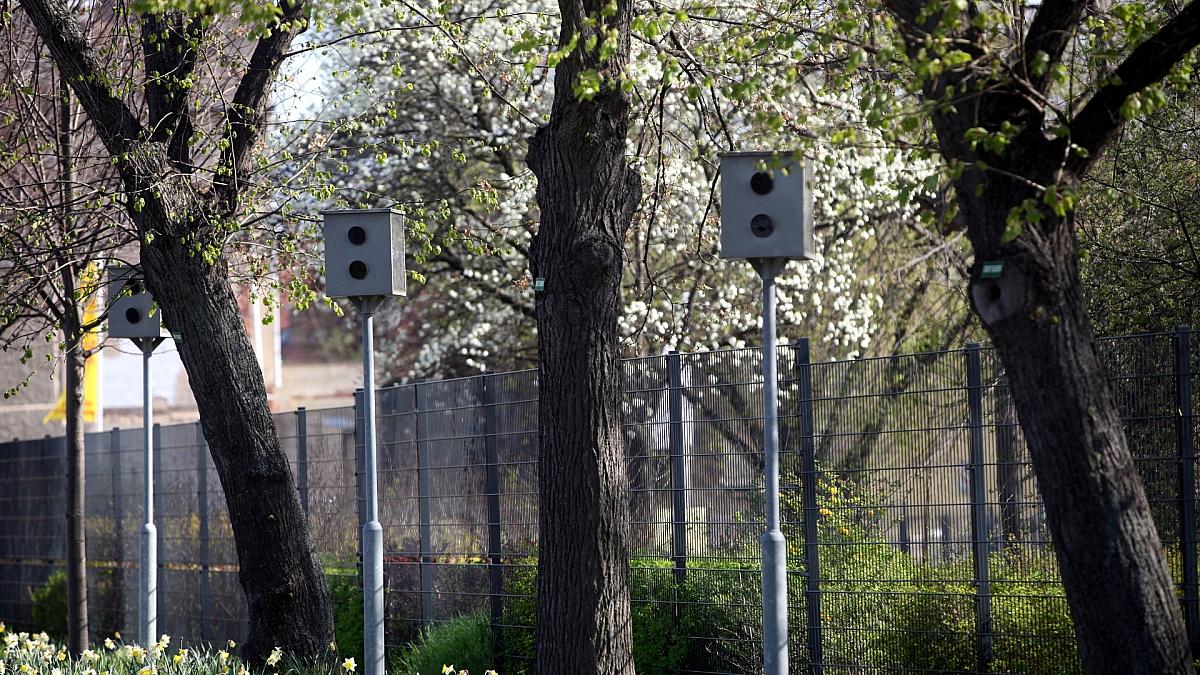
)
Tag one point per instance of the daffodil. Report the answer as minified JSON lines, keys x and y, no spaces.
{"x":349,"y":664}
{"x":448,"y":670}
{"x":109,"y":644}
{"x":276,"y":654}
{"x":333,"y":647}
{"x":222,"y":656}
{"x":231,"y":644}
{"x":1,"y":626}
{"x":179,"y":656}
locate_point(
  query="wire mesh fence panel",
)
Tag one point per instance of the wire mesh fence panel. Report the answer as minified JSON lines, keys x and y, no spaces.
{"x":32,"y":523}
{"x":331,"y":486}
{"x":894,"y":511}
{"x":915,"y":521}
{"x":1031,"y":625}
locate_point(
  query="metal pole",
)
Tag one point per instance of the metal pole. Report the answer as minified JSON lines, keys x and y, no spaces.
{"x":118,"y":526}
{"x":1187,"y":485}
{"x":808,"y":495}
{"x":372,"y":532}
{"x":302,"y":455}
{"x":979,"y":528}
{"x":424,"y":518}
{"x":492,"y":458}
{"x":774,"y":549}
{"x":202,"y":509}
{"x":679,"y":477}
{"x":148,"y":618}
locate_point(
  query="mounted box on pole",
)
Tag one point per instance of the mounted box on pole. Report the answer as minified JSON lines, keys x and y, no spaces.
{"x":132,"y":315}
{"x":364,"y":261}
{"x":131,"y":310}
{"x":364,"y":253}
{"x":766,"y":218}
{"x":766,"y":206}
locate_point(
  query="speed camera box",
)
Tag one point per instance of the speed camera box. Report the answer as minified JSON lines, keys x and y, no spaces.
{"x":766,"y":206}
{"x":364,"y":253}
{"x":131,"y":311}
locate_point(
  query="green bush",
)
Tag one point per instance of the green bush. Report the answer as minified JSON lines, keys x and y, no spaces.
{"x":465,"y":643}
{"x":347,"y":600}
{"x":49,"y":605}
{"x":880,"y":608}
{"x":690,"y":627}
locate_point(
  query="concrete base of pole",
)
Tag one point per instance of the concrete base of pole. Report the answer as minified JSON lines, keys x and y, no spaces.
{"x":372,"y":538}
{"x":775,"y":604}
{"x":148,"y":616}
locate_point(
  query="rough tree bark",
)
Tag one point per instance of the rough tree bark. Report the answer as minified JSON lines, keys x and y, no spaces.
{"x":1111,"y":560}
{"x":180,"y":220}
{"x":1008,"y":472}
{"x":587,"y":194}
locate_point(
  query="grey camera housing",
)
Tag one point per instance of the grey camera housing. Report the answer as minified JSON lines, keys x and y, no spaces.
{"x":129,"y":315}
{"x":364,"y":253}
{"x":766,"y":217}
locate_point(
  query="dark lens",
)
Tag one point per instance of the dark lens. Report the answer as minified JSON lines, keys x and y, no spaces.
{"x":133,"y":315}
{"x":358,"y":269}
{"x":761,"y":225}
{"x":762,"y":183}
{"x":357,"y":235}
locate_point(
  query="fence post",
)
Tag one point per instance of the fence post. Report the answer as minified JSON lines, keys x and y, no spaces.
{"x":360,"y":445}
{"x":114,"y":447}
{"x":979,"y":533}
{"x":302,"y":456}
{"x":808,"y":495}
{"x":679,"y":477}
{"x":1187,"y":484}
{"x":161,"y":579}
{"x":426,"y":569}
{"x":202,"y":507}
{"x":492,"y":461}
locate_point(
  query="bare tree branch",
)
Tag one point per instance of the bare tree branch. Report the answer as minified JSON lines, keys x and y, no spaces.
{"x":1097,"y":123}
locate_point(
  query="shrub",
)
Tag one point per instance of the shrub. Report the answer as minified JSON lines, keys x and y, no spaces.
{"x":49,"y":605}
{"x":347,"y":600}
{"x":465,"y":643}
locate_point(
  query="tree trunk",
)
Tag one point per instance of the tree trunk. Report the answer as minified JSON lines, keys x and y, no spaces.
{"x":74,"y":361}
{"x":280,"y":572}
{"x":77,"y":596}
{"x":587,"y":195}
{"x":1008,"y":470}
{"x":181,"y":222}
{"x":1110,"y":557}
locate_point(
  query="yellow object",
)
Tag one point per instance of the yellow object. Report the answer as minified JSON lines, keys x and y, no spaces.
{"x":91,"y":371}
